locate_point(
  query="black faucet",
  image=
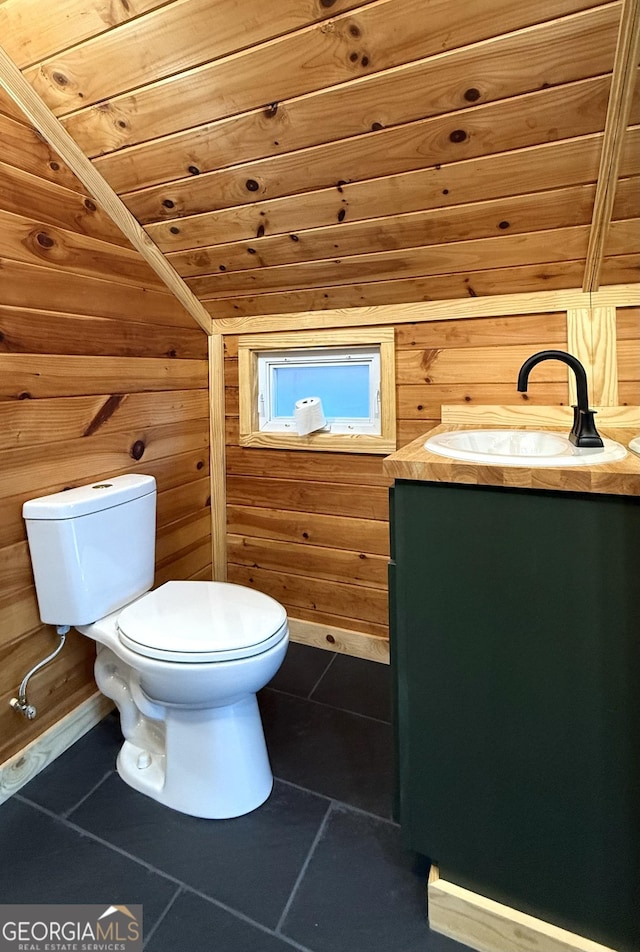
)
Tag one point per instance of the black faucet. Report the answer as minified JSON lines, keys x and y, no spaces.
{"x":583,"y":431}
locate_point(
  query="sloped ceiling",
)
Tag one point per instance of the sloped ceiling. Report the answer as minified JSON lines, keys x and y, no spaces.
{"x":290,"y":155}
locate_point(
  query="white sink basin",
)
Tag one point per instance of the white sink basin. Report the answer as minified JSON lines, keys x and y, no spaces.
{"x":634,"y":445}
{"x":521,"y":448}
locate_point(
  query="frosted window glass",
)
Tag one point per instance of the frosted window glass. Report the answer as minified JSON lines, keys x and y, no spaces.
{"x":344,"y":390}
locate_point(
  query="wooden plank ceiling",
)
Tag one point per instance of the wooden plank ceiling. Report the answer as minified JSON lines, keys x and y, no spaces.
{"x":308,"y":154}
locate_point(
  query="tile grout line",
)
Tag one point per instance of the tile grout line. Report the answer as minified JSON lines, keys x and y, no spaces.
{"x":333,"y":805}
{"x":341,"y":804}
{"x":82,"y":831}
{"x":243,"y":917}
{"x":158,"y":872}
{"x":65,"y":813}
{"x":332,"y":707}
{"x":319,"y":835}
{"x":308,"y":698}
{"x":162,"y":915}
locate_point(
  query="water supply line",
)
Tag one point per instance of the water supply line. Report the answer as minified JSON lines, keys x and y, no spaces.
{"x":20,"y":703}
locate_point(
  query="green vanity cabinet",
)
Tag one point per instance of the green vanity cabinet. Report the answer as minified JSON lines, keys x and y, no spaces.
{"x":515,"y":632}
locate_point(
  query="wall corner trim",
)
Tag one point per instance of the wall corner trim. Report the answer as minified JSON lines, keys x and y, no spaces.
{"x":618,"y":110}
{"x":217,"y":450}
{"x":449,"y":309}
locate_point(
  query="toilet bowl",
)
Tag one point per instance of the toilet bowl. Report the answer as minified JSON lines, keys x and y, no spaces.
{"x":182,"y":663}
{"x":193,"y":734}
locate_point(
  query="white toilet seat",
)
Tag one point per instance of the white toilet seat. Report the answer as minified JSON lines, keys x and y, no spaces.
{"x":196,"y":622}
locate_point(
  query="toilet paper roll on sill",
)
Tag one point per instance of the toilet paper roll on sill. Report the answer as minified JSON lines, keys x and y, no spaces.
{"x":308,"y":415}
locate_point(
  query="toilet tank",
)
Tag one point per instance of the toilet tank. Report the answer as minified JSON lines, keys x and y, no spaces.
{"x":92,"y":548}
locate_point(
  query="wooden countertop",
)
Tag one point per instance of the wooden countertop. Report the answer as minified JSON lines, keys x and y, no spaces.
{"x":620,"y":479}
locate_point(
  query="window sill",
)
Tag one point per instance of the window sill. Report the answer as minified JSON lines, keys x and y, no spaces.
{"x":329,"y":442}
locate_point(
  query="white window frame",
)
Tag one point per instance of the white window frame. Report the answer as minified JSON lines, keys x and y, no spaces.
{"x":259,"y":355}
{"x":270,"y":361}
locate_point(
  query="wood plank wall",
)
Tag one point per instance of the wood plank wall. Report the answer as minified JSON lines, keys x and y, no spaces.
{"x":628,"y":334}
{"x":308,"y":528}
{"x":101,"y":372}
{"x":311,"y":529}
{"x":342,"y":153}
{"x":622,"y":243}
{"x":346,"y":152}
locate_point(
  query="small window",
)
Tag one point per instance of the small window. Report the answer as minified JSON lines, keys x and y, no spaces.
{"x":347,"y":382}
{"x":352,"y":376}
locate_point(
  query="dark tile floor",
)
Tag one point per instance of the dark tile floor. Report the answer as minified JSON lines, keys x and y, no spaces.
{"x":318,"y":868}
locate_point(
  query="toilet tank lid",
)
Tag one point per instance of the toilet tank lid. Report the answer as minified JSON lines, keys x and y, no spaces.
{"x":83,"y":500}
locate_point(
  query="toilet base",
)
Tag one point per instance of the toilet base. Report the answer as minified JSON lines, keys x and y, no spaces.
{"x":214,"y":765}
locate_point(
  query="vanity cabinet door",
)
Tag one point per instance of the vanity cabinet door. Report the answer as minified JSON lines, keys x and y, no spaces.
{"x":515,"y":639}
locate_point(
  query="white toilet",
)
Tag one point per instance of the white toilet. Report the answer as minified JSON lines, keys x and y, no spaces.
{"x":182,"y":663}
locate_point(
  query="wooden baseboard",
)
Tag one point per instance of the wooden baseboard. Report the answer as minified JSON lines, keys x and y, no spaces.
{"x":354,"y":643}
{"x":23,"y":766}
{"x":489,"y":926}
